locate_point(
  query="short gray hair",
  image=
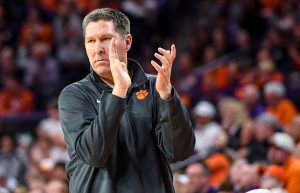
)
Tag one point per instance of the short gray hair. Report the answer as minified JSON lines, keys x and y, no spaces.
{"x":120,"y":20}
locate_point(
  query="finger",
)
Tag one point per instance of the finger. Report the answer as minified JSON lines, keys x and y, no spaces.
{"x":173,"y":53}
{"x":157,"y":67}
{"x":162,"y":59}
{"x":166,"y":53}
{"x":112,"y":50}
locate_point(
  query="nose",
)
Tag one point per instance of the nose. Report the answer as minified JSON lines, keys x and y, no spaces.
{"x":98,"y":47}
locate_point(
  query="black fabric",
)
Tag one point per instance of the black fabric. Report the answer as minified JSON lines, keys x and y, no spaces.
{"x":121,"y":145}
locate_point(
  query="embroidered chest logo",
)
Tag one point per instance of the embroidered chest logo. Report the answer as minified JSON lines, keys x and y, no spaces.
{"x":141,"y":94}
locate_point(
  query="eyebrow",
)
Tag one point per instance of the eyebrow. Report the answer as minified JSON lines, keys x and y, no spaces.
{"x":108,"y":35}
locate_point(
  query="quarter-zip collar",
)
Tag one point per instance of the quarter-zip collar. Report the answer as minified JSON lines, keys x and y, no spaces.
{"x":138,"y":76}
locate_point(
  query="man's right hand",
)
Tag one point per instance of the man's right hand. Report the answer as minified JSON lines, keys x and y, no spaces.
{"x":119,"y":72}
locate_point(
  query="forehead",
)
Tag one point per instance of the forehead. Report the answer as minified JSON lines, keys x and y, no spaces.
{"x":194,"y":168}
{"x":100,"y":27}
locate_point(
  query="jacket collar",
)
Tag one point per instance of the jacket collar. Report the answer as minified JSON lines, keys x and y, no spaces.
{"x":138,"y":78}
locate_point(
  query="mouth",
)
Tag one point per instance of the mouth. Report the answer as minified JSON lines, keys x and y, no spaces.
{"x":100,"y":61}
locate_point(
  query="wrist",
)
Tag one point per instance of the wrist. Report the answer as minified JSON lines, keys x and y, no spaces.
{"x":120,"y":92}
{"x":166,"y":94}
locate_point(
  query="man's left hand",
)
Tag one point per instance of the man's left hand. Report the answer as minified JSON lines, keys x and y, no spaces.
{"x":163,"y":81}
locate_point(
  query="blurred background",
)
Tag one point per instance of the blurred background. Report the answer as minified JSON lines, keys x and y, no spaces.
{"x":237,"y":71}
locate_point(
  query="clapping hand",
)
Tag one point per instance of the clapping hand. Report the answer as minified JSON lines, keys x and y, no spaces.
{"x":119,"y":72}
{"x":163,"y":81}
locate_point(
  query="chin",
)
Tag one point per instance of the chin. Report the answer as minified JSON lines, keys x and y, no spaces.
{"x":103,"y":72}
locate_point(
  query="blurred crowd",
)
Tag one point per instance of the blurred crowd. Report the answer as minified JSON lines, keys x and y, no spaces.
{"x":237,"y":71}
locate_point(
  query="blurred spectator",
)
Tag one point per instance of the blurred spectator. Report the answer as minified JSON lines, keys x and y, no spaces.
{"x":51,"y":125}
{"x":232,"y":114}
{"x":251,"y":99}
{"x":49,"y":6}
{"x":282,"y":108}
{"x":199,"y":174}
{"x":44,"y":154}
{"x":265,"y":126}
{"x":273,"y":179}
{"x":213,"y":80}
{"x":270,"y":5}
{"x":185,"y":81}
{"x":219,"y":41}
{"x":58,"y":172}
{"x":70,"y":52}
{"x":276,"y":44}
{"x":43,"y":74}
{"x":218,"y":163}
{"x":15,"y":98}
{"x":13,"y":160}
{"x":7,"y":184}
{"x":243,"y":41}
{"x":294,"y":131}
{"x":143,"y":13}
{"x":68,"y":38}
{"x":49,"y":148}
{"x":241,"y":73}
{"x":266,"y":68}
{"x":234,"y":171}
{"x":35,"y":30}
{"x":7,"y":63}
{"x":67,"y":18}
{"x":180,"y":182}
{"x":243,"y":176}
{"x":36,"y":183}
{"x":280,"y":153}
{"x":56,"y":186}
{"x":247,"y":137}
{"x":206,"y":128}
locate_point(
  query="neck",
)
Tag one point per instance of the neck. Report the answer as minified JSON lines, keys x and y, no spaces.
{"x":108,"y":82}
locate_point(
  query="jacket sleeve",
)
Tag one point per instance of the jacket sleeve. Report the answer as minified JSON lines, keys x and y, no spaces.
{"x":90,"y":134}
{"x":174,"y":131}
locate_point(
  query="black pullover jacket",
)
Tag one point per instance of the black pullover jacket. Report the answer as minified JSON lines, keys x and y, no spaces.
{"x":123,"y":145}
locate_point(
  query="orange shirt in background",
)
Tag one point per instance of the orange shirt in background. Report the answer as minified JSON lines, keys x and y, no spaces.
{"x":215,"y":79}
{"x":292,"y":168}
{"x":285,"y":111}
{"x":15,"y":103}
{"x":219,"y":165}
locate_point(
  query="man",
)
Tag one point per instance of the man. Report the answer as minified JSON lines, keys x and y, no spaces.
{"x":198,"y":174}
{"x":206,"y":128}
{"x":122,"y":127}
{"x":280,"y":153}
{"x":273,"y":178}
{"x":277,"y":104}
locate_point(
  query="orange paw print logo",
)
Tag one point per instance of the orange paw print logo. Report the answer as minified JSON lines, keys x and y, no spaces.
{"x":141,"y":95}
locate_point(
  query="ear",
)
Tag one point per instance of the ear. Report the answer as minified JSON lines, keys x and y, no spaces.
{"x":128,"y":41}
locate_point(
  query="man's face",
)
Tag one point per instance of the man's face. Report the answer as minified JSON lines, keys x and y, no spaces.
{"x":197,"y":176}
{"x":271,"y":98}
{"x":277,"y":156}
{"x":97,"y":40}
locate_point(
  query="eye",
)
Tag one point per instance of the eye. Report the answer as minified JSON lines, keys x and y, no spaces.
{"x":90,"y":41}
{"x":106,"y":39}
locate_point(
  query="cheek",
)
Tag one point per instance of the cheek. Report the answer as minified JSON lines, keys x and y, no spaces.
{"x":88,"y":52}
